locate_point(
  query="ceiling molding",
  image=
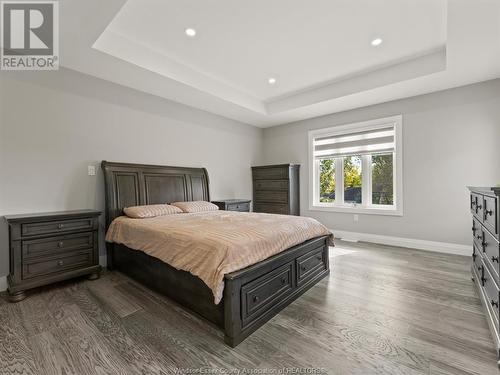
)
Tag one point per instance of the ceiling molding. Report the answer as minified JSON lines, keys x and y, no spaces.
{"x":470,"y":54}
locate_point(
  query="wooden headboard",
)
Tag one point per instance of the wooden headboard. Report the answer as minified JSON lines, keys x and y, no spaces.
{"x":138,"y":184}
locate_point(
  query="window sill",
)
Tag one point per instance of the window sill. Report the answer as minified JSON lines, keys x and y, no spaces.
{"x":357,"y":210}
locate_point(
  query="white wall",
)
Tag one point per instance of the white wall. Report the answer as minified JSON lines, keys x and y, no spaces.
{"x":451,"y":139}
{"x":54,"y":124}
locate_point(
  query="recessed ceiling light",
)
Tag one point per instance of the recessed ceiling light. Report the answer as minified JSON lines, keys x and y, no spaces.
{"x":376,"y":42}
{"x":271,"y":81}
{"x":190,"y":32}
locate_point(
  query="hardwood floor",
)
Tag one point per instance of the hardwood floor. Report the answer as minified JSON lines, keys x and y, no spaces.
{"x":383,"y":310}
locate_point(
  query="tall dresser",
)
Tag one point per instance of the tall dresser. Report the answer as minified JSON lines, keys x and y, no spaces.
{"x":484,"y":205}
{"x":276,"y":189}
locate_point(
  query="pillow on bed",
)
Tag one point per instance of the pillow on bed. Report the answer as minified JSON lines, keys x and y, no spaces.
{"x":195,"y":206}
{"x":152,"y":210}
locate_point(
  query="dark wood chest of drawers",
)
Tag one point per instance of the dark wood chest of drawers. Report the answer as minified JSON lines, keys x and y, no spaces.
{"x":241,"y":205}
{"x":276,"y":189}
{"x":49,"y":247}
{"x":484,"y":205}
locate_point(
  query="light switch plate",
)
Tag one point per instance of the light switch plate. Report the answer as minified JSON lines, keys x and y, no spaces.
{"x":91,"y":169}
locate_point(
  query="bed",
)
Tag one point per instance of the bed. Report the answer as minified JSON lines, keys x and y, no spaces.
{"x":251,"y":296}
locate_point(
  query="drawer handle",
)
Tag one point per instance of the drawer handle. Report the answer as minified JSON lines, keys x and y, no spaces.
{"x":488,"y":212}
{"x":319,"y":257}
{"x":479,"y":206}
{"x":479,"y":236}
{"x":283,"y":280}
{"x":256,"y":298}
{"x":484,"y":244}
{"x":303,"y":268}
{"x":473,"y":204}
{"x":474,"y":256}
{"x":60,"y":263}
{"x":494,"y":259}
{"x":494,"y":303}
{"x":474,"y":230}
{"x":60,"y":226}
{"x":60,"y":244}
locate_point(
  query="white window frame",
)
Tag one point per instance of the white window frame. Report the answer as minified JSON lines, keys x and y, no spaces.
{"x":366,"y":207}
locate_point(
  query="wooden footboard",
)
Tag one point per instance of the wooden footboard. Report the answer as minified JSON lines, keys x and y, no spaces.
{"x":254,"y":295}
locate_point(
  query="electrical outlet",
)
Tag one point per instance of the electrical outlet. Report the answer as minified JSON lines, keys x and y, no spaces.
{"x":91,"y":169}
{"x":356,"y":218}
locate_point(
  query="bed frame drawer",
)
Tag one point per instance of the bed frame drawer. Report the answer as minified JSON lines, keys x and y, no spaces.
{"x":309,"y":265}
{"x":261,"y":294}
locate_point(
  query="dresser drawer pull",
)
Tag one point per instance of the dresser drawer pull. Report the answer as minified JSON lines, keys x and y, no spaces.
{"x":60,"y":244}
{"x":303,"y":268}
{"x":319,"y":257}
{"x":474,"y":230}
{"x":256,"y":298}
{"x":283,"y":280}
{"x":473,"y":204}
{"x":494,"y":259}
{"x":60,"y":226}
{"x":488,"y":212}
{"x":484,"y":244}
{"x":474,"y":256}
{"x":494,"y":303}
{"x":60,"y":263}
{"x":479,"y":206}
{"x":479,"y":236}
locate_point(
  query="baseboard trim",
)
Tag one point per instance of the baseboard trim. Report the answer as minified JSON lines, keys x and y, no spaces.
{"x":3,"y":283}
{"x":439,"y":247}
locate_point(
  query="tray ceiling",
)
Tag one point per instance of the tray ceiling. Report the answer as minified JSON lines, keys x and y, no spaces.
{"x":319,"y":53}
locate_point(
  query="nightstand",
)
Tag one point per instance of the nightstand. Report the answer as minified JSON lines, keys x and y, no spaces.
{"x":241,"y":205}
{"x":49,"y":247}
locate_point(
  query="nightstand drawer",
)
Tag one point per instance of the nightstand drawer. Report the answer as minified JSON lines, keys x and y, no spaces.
{"x":59,"y":226}
{"x":41,"y":267}
{"x":57,"y":245}
{"x":242,"y":207}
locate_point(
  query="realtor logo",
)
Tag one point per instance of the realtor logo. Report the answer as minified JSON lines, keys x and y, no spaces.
{"x":29,"y":35}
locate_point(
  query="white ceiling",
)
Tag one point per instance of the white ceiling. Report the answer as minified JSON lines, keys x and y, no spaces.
{"x":318,"y":51}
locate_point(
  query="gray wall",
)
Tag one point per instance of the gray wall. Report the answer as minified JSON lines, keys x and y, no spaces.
{"x":54,"y":124}
{"x":450,"y":139}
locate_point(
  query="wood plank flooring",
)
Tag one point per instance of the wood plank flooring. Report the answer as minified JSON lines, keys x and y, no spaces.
{"x":383,"y":310}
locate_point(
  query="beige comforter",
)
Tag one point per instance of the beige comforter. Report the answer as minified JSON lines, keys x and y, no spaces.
{"x":212,"y":244}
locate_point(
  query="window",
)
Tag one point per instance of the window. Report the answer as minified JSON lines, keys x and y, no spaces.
{"x":357,"y":167}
